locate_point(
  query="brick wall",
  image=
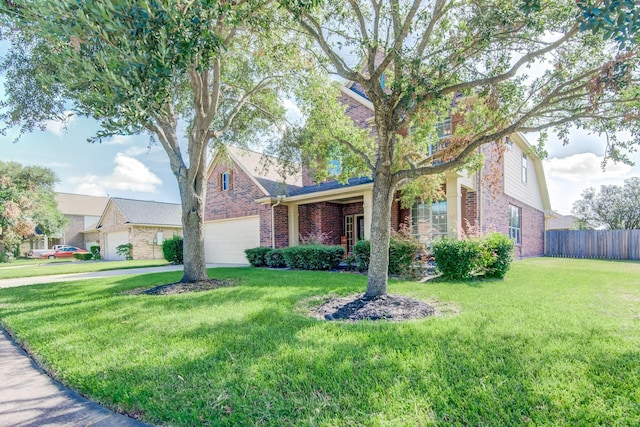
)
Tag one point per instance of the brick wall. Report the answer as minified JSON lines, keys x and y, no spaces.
{"x":142,"y":235}
{"x":281,"y":221}
{"x":73,"y":234}
{"x":495,"y":211}
{"x":238,"y":201}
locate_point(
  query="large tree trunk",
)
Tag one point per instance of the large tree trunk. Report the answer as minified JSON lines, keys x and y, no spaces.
{"x":195,"y":268}
{"x":380,"y":225}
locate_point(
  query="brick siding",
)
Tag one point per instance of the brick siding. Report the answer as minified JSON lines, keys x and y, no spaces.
{"x":73,"y":234}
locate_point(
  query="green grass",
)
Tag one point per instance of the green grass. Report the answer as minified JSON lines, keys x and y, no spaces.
{"x":31,"y":268}
{"x":556,"y":343}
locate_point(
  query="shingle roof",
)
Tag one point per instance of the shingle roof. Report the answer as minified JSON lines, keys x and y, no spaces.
{"x":80,"y":204}
{"x":331,"y":185}
{"x":148,"y":212}
{"x":275,"y":188}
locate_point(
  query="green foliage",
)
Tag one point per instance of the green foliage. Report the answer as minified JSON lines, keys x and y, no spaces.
{"x":27,"y":201}
{"x":403,"y":251}
{"x":95,"y":251}
{"x":457,"y":259}
{"x":313,"y":257}
{"x":614,"y":207}
{"x":618,"y":20}
{"x":256,"y":256}
{"x":362,"y":253}
{"x":275,"y":259}
{"x":463,"y":259}
{"x":83,"y":256}
{"x":172,"y":249}
{"x":125,"y":250}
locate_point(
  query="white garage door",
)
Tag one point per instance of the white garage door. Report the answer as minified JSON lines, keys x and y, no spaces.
{"x":112,"y":241}
{"x":226,"y":240}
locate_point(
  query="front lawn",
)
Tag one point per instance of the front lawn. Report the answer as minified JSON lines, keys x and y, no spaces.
{"x":556,"y":343}
{"x":37,"y":267}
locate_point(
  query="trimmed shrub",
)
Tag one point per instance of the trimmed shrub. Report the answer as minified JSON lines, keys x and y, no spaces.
{"x":313,"y":257}
{"x":95,"y":252}
{"x":362,"y":252}
{"x":501,"y":249}
{"x":256,"y":256}
{"x":490,"y":256}
{"x":83,"y":256}
{"x":457,"y":259}
{"x":172,"y":250}
{"x":274,"y":258}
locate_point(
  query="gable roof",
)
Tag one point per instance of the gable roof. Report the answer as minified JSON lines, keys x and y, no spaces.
{"x":146,"y":212}
{"x":80,"y":204}
{"x":267,"y":179}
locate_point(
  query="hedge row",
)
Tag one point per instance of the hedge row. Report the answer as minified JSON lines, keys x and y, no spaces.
{"x":490,"y":256}
{"x":403,"y":252}
{"x":303,"y":257}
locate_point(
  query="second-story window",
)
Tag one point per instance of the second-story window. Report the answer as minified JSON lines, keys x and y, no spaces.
{"x":524,"y":168}
{"x":225,"y":181}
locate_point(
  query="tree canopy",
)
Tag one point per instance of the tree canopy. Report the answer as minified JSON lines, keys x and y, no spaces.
{"x":144,"y":67}
{"x":27,"y":202}
{"x":613,"y":207}
{"x":495,"y":67}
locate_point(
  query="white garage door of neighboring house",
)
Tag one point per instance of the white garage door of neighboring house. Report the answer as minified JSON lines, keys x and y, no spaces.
{"x":112,"y":241}
{"x":226,"y":240}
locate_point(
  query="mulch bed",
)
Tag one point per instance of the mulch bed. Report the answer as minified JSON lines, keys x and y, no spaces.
{"x":181,"y":288}
{"x":386,"y":307}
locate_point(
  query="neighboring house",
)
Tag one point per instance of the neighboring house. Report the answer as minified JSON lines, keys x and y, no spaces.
{"x":557,"y":221}
{"x":82,"y":213}
{"x":144,"y":224}
{"x":247,"y":207}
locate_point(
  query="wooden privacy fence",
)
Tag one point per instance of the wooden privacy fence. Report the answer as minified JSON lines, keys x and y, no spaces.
{"x":603,"y":244}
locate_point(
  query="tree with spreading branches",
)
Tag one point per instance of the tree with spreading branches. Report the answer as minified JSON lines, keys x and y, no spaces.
{"x":498,"y":67}
{"x":27,"y":202}
{"x":614,"y":207}
{"x":218,"y":67}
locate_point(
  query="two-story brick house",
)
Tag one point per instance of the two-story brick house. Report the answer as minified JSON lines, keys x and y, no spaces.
{"x":247,"y":206}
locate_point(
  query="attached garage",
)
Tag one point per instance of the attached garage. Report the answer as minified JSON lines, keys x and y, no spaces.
{"x":226,"y":240}
{"x":112,"y":241}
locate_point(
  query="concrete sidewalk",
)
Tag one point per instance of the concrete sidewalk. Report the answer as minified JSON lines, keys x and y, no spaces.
{"x":23,"y":281}
{"x":29,"y":397}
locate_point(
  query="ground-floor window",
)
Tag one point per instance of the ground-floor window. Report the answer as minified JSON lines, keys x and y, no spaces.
{"x":515,"y":223}
{"x":429,"y":220}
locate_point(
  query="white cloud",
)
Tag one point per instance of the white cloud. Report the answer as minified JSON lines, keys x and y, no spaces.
{"x":59,"y":127}
{"x":129,"y":174}
{"x":579,"y":167}
{"x":119,"y":140}
{"x":568,"y":177}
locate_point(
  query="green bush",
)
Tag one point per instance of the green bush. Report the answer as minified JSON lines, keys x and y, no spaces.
{"x":362,"y":252}
{"x":172,"y":250}
{"x":490,"y":256}
{"x":501,"y":249}
{"x":313,"y":257}
{"x":457,"y":259}
{"x":275,"y":259}
{"x":256,"y":256}
{"x":83,"y":256}
{"x":95,"y":252}
{"x":403,"y":251}
{"x":125,"y":250}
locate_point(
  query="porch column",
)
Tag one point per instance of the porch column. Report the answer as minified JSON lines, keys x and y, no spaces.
{"x":368,"y":209}
{"x":454,"y":206}
{"x":293,"y":225}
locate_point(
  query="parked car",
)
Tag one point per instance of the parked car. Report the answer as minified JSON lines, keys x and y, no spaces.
{"x":38,"y":253}
{"x":66,"y":252}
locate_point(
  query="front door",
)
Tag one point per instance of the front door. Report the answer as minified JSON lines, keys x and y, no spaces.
{"x":353,"y":230}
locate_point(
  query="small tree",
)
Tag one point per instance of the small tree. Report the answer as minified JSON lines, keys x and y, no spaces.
{"x":614,"y":207}
{"x":125,"y":250}
{"x":172,"y":250}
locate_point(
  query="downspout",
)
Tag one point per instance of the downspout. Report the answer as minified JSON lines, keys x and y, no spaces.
{"x":273,"y":222}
